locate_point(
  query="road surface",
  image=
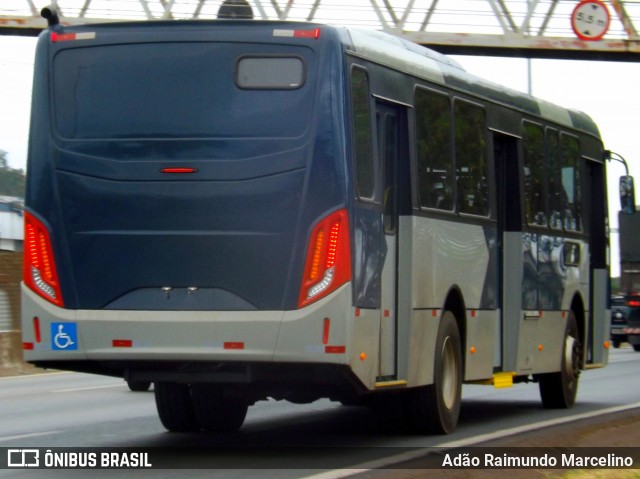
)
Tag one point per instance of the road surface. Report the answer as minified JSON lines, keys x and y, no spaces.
{"x":80,"y":410}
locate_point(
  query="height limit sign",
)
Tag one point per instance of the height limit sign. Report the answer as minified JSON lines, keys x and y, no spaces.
{"x":590,"y":20}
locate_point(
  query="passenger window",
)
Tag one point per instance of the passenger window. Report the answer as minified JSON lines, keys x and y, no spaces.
{"x":435,"y":165}
{"x":570,"y":151}
{"x":555,"y":193}
{"x":471,"y":159}
{"x":534,"y":175}
{"x":362,"y":137}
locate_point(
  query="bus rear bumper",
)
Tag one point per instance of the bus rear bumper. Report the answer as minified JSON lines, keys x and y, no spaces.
{"x":316,"y":334}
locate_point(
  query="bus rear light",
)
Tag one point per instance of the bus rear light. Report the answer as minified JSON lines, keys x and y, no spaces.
{"x":40,"y":272}
{"x":318,"y":288}
{"x":328,"y":263}
{"x":66,"y":37}
{"x":179,"y":170}
{"x":301,"y":33}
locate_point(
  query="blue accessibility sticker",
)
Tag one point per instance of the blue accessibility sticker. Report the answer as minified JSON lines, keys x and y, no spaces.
{"x":64,"y":336}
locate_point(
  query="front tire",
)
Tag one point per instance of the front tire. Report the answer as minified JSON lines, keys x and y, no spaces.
{"x":435,"y":409}
{"x":559,"y":390}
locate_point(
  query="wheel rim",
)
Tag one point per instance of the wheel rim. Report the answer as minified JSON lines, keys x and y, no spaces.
{"x":571,"y":358}
{"x":449,"y":374}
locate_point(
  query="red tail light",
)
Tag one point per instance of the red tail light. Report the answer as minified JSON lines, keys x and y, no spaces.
{"x":328,"y":263}
{"x":39,"y":271}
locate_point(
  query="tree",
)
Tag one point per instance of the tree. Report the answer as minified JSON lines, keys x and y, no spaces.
{"x":12,"y":181}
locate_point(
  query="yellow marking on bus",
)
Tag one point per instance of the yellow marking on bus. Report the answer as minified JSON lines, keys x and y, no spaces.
{"x":390,"y":384}
{"x":594,"y":366}
{"x":503,"y":380}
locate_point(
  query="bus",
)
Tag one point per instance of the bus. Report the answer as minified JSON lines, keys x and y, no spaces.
{"x":237,"y":210}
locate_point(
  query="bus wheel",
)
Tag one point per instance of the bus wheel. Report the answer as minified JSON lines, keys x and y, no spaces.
{"x":175,"y":408}
{"x":217,"y":412}
{"x":435,"y":408}
{"x":559,"y":390}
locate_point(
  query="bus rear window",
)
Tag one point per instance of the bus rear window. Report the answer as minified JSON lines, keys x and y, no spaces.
{"x":182,"y":90}
{"x":270,"y":73}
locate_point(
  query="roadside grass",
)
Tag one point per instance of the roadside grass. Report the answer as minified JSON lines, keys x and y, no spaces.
{"x":599,"y":474}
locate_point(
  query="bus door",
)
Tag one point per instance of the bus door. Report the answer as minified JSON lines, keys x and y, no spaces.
{"x":394,"y":160}
{"x":509,"y":274}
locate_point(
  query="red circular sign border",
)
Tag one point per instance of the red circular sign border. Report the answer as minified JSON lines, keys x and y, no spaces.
{"x":573,"y":18}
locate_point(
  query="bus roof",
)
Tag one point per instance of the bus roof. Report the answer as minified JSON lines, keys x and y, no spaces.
{"x":385,"y":49}
{"x":430,"y":65}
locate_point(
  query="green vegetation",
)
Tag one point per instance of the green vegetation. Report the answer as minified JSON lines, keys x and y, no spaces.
{"x":12,"y":181}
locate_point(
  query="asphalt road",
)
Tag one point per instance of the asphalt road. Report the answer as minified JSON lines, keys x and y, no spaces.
{"x":278,"y":439}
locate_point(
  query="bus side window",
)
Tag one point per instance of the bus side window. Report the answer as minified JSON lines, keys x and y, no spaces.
{"x":364,"y":159}
{"x":534,"y":175}
{"x":435,"y":165}
{"x":556,"y":195}
{"x":570,"y":151}
{"x":471,"y":159}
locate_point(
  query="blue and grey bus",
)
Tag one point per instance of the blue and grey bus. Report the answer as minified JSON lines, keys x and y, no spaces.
{"x":237,"y":210}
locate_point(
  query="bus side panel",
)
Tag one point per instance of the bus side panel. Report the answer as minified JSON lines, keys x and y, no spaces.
{"x":553,"y":278}
{"x":451,"y":255}
{"x":368,"y":257}
{"x":424,"y":331}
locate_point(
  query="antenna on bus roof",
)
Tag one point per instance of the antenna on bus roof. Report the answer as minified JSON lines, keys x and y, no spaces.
{"x":51,"y":15}
{"x":235,"y":9}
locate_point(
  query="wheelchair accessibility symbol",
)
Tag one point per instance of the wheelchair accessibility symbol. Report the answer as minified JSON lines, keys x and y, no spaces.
{"x":64,"y":336}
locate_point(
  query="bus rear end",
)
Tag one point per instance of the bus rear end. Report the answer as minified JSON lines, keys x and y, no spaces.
{"x":186,"y":215}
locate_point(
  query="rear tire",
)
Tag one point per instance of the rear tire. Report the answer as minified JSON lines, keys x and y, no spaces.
{"x":175,"y":407}
{"x":435,"y":409}
{"x":636,"y":348}
{"x":217,"y":411}
{"x":559,"y":390}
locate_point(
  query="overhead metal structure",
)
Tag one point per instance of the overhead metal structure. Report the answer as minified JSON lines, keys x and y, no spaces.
{"x":603,"y":29}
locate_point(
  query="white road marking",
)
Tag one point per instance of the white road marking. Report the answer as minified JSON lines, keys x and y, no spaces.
{"x":88,"y":388}
{"x":408,"y":456}
{"x":27,"y":436}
